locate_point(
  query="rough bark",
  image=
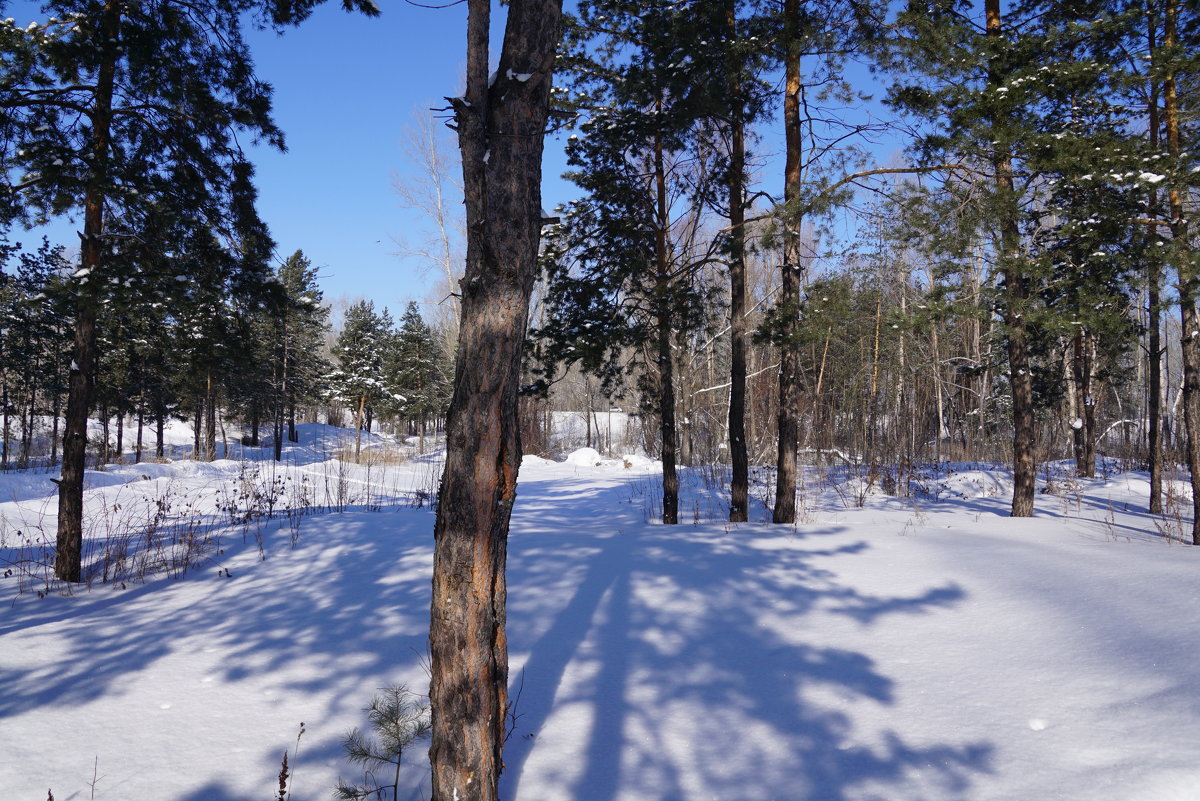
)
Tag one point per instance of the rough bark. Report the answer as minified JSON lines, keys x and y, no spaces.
{"x":1016,"y":293}
{"x":1185,"y":269}
{"x":501,"y":129}
{"x":789,"y":288}
{"x":739,"y":487}
{"x":69,"y":553}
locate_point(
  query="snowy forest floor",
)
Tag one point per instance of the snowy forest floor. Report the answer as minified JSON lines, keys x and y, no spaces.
{"x":924,"y":648}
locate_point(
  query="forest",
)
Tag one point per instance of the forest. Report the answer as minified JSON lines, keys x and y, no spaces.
{"x":882,"y":242}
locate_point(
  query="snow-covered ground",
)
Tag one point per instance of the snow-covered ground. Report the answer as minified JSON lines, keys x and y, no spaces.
{"x":928,"y":650}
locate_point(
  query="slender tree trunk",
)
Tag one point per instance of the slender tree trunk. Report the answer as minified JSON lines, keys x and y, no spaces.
{"x":5,"y":428}
{"x":1154,"y":349}
{"x":68,"y":558}
{"x":1084,"y":425}
{"x":141,"y":421}
{"x":501,"y":129}
{"x":739,"y":487}
{"x":104,"y":432}
{"x":210,"y":420}
{"x":28,"y":414}
{"x":56,"y":409}
{"x":1015,"y":298}
{"x":939,"y":400}
{"x":789,"y":288}
{"x":358,"y":418}
{"x":1186,"y":270}
{"x":666,"y":362}
{"x":1154,"y":386}
{"x":120,"y":435}
{"x":160,"y":424}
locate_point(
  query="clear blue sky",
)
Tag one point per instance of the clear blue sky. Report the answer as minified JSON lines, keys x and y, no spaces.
{"x":346,"y":86}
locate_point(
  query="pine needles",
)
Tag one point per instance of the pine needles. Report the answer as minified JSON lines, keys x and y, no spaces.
{"x":397,"y":720}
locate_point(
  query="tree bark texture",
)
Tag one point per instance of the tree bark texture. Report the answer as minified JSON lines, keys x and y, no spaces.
{"x":1185,"y":269}
{"x":739,"y":487}
{"x":68,"y":559}
{"x":789,"y":288}
{"x":1016,"y":293}
{"x":501,"y":129}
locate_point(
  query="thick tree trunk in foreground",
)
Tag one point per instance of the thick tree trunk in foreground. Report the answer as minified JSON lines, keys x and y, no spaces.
{"x":789,"y":288}
{"x":68,"y":559}
{"x":501,"y":129}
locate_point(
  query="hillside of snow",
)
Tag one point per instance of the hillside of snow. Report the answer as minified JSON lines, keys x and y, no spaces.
{"x":909,"y":649}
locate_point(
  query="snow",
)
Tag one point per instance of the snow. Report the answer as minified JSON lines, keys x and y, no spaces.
{"x":926,"y":648}
{"x":585,"y":457}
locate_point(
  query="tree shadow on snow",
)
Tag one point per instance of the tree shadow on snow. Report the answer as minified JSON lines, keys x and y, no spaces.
{"x":676,"y":665}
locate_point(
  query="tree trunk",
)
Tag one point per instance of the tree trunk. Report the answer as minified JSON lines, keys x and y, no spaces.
{"x":1015,"y":297}
{"x":789,"y":287}
{"x":362,"y":403}
{"x":210,"y":420}
{"x":1186,"y":270}
{"x":68,"y":558}
{"x":1154,"y":348}
{"x":141,"y":421}
{"x":739,"y":487}
{"x":5,"y":428}
{"x":666,"y":364}
{"x":197,"y":420}
{"x":1084,"y":426}
{"x":160,"y":423}
{"x":56,"y":408}
{"x":501,"y":129}
{"x":120,"y":436}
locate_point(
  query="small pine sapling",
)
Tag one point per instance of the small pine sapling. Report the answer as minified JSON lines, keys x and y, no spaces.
{"x":397,"y":720}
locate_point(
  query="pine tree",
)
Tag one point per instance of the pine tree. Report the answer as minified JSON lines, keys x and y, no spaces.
{"x":624,"y":266}
{"x":416,"y":370}
{"x":299,"y":324}
{"x":110,"y":107}
{"x":360,"y":381}
{"x":974,"y":82}
{"x":501,"y":125}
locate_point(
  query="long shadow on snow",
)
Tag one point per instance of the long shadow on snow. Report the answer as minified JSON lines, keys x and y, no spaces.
{"x":679,"y":655}
{"x":348,"y":606}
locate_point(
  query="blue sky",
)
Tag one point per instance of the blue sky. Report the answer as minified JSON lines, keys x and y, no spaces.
{"x":346,"y":87}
